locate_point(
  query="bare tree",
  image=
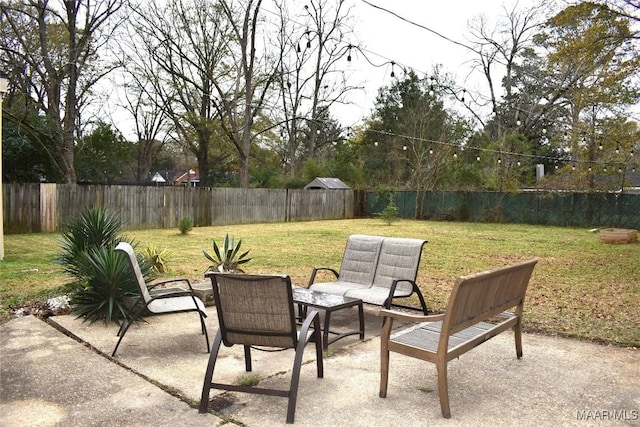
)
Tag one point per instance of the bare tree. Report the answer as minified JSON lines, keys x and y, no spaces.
{"x":54,"y":46}
{"x":152,"y":124}
{"x":253,"y":75}
{"x":313,"y":44}
{"x":179,"y":55}
{"x":499,"y":48}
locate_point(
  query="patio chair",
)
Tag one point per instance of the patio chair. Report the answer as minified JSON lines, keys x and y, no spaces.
{"x":159,"y":301}
{"x":258,"y":311}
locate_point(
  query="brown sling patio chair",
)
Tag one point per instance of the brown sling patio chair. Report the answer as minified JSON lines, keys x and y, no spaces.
{"x":160,"y":301}
{"x":258,"y":311}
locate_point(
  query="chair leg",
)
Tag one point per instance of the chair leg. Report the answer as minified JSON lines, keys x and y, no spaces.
{"x":247,"y":358}
{"x":423,"y":303}
{"x":208,"y":376}
{"x":443,"y":388}
{"x":295,"y":380}
{"x":319,"y":347}
{"x":204,"y":330}
{"x":125,"y":327}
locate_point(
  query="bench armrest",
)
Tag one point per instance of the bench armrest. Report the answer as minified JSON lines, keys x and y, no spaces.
{"x":415,"y":318}
{"x":315,"y":271}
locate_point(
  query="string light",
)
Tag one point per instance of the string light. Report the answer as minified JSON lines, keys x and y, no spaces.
{"x":404,"y":147}
{"x":462,"y":99}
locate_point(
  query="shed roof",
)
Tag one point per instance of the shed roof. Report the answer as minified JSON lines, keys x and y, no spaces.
{"x":326,"y":184}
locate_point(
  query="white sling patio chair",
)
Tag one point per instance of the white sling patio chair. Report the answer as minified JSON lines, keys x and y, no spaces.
{"x":161,"y":301}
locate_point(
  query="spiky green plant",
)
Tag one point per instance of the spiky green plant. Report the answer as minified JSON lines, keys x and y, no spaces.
{"x":229,"y":258}
{"x":156,"y":257}
{"x":101,"y":296}
{"x":93,"y":228}
{"x":103,"y":278}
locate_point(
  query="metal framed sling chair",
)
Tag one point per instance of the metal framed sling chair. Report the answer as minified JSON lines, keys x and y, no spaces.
{"x":160,"y":301}
{"x":258,"y":311}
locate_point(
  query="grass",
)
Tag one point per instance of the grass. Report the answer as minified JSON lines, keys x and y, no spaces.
{"x":580,"y":288}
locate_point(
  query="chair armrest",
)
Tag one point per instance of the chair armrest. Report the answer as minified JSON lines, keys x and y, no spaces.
{"x":316,"y":269}
{"x":171,"y":292}
{"x":410,"y":317}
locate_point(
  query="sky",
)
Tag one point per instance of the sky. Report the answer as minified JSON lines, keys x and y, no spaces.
{"x":388,"y":38}
{"x":385,"y":38}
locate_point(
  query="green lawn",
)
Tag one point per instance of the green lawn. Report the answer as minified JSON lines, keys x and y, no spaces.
{"x":580,"y":288}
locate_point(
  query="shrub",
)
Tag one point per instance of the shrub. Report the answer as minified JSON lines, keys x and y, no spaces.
{"x":185,"y":225}
{"x":156,"y":258}
{"x":93,"y":228}
{"x":390,"y":213}
{"x":103,"y":295}
{"x":229,"y":259}
{"x":103,"y":278}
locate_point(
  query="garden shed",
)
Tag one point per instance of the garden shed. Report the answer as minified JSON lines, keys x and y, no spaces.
{"x":327,"y":184}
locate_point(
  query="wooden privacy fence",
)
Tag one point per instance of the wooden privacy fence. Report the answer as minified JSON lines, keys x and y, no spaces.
{"x":46,"y":207}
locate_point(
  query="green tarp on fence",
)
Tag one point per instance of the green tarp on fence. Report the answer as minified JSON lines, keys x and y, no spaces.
{"x":538,"y":207}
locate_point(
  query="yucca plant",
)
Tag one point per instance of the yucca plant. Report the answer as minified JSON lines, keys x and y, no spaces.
{"x":229,"y":258}
{"x":103,"y":277}
{"x":102,"y":295}
{"x":93,"y":228}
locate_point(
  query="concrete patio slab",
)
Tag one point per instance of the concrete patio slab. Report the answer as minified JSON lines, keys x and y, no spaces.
{"x":557,"y":382}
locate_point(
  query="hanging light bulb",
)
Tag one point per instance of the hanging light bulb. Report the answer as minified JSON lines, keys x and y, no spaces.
{"x":518,"y":162}
{"x":455,"y":154}
{"x":631,"y":153}
{"x":619,"y":169}
{"x":404,"y":147}
{"x":477,"y":158}
{"x":299,"y":50}
{"x":589,"y":168}
{"x":617,"y":149}
{"x":573,"y":166}
{"x":600,"y":146}
{"x":375,"y":143}
{"x":518,"y":123}
{"x":430,"y":150}
{"x":393,"y":74}
{"x":544,"y":131}
{"x":349,"y":54}
{"x":605,"y":168}
{"x":499,"y":160}
{"x":308,"y":44}
{"x":463,"y":93}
